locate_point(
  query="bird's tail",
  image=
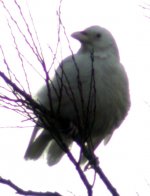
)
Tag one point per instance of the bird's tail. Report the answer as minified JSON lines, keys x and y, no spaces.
{"x":44,"y":142}
{"x":37,"y":146}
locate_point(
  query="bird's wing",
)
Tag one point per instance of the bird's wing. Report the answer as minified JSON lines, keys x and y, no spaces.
{"x":37,"y":147}
{"x":34,"y":134}
{"x":107,"y":138}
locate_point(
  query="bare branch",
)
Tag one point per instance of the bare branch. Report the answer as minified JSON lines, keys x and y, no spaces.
{"x":23,"y":192}
{"x":19,"y":57}
{"x":33,"y":48}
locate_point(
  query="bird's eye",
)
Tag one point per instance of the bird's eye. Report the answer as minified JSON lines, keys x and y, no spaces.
{"x":98,"y":35}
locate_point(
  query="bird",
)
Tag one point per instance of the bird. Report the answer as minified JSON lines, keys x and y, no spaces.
{"x":88,"y":95}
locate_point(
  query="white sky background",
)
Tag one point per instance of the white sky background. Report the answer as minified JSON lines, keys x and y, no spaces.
{"x":126,"y":159}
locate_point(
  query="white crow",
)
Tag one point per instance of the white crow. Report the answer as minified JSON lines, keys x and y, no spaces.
{"x":89,"y":97}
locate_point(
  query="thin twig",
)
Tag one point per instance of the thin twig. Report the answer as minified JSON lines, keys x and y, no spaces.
{"x":21,"y":33}
{"x":20,"y":56}
{"x":28,"y":29}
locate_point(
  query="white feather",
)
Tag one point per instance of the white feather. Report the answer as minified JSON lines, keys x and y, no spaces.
{"x":109,"y":103}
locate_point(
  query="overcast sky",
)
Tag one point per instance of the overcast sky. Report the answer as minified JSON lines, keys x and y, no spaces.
{"x":126,"y":159}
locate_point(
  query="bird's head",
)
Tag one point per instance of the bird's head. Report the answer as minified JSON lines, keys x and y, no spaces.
{"x":95,"y":38}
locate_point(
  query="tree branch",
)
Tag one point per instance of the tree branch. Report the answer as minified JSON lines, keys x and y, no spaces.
{"x":23,"y":192}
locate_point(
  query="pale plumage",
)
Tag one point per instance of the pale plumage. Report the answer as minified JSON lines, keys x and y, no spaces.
{"x":94,"y":92}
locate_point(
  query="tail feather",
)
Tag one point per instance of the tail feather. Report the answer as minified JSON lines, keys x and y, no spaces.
{"x":37,"y":147}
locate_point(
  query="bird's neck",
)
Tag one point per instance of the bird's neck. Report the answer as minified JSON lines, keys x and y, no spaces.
{"x":102,"y":52}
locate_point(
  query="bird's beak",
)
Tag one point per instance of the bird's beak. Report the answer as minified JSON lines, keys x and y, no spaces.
{"x":80,"y":35}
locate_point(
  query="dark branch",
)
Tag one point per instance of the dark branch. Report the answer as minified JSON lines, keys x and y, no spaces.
{"x":23,"y":192}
